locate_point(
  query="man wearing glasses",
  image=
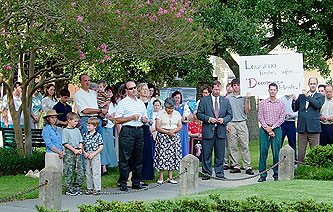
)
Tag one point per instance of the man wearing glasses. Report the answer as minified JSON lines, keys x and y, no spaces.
{"x":131,"y":114}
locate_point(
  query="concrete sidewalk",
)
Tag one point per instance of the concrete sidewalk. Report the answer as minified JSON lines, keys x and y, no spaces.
{"x":165,"y":191}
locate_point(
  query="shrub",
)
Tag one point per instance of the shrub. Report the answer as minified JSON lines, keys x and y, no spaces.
{"x":321,"y":156}
{"x":213,"y":203}
{"x":313,"y":173}
{"x":11,"y":163}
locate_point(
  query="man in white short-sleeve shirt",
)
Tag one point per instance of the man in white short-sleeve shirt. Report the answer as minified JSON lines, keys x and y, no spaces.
{"x":86,"y":103}
{"x":131,"y":114}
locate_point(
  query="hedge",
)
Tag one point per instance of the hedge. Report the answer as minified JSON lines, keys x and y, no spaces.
{"x":12,"y":163}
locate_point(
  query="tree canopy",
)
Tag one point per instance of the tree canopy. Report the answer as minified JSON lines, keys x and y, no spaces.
{"x":258,"y":26}
{"x":56,"y":39}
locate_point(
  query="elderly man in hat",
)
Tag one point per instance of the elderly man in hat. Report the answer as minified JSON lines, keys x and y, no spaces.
{"x":52,"y":137}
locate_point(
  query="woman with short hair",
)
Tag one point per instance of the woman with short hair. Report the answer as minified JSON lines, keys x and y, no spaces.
{"x":168,"y":152}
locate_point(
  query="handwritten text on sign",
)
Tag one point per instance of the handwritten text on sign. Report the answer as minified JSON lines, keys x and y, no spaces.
{"x":257,"y":72}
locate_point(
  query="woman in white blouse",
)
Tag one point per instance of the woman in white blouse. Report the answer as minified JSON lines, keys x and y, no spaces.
{"x":49,"y":99}
{"x":168,"y":152}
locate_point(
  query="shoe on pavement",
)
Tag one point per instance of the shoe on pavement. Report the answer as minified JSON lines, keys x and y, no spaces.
{"x":71,"y":193}
{"x":262,"y":179}
{"x":249,"y":171}
{"x":137,"y":186}
{"x":78,"y":190}
{"x":235,"y":170}
{"x":172,"y":181}
{"x":225,"y":167}
{"x":221,"y":177}
{"x":206,"y":177}
{"x":98,"y":192}
{"x":123,"y":188}
{"x":160,"y":182}
{"x":89,"y":192}
{"x":144,"y":184}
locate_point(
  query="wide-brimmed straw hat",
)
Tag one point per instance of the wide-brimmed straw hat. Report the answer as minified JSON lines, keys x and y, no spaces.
{"x":51,"y":113}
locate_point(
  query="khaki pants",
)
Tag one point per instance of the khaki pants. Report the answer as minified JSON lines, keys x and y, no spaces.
{"x":93,"y":173}
{"x":52,"y":160}
{"x":239,"y":134}
{"x":303,"y":139}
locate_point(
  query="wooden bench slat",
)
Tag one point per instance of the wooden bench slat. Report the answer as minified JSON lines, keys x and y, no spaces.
{"x":8,"y":135}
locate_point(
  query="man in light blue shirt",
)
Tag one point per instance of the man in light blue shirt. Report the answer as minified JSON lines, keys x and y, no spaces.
{"x":288,"y":126}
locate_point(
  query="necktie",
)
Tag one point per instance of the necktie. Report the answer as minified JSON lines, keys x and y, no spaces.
{"x":307,"y":102}
{"x":216,"y":108}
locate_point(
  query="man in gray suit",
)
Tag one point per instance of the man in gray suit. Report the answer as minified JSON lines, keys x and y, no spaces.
{"x":215,"y":112}
{"x":308,"y":106}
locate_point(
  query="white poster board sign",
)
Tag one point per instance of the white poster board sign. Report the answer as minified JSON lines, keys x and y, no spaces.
{"x":257,"y":72}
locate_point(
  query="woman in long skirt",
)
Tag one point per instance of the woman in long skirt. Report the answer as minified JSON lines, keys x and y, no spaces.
{"x":168,"y":150}
{"x":181,"y":108}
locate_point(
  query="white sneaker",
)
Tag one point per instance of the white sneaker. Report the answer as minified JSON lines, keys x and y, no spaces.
{"x":172,"y":181}
{"x":160,"y":182}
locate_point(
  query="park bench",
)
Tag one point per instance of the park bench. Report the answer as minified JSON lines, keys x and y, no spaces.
{"x":8,"y":137}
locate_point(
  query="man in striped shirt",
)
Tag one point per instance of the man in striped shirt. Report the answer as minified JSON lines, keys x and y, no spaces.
{"x":131,"y":114}
{"x":271,"y":115}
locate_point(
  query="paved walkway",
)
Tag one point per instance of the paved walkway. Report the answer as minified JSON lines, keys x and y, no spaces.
{"x":165,"y":191}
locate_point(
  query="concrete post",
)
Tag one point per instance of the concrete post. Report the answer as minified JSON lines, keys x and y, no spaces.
{"x":286,"y":167}
{"x":189,"y":174}
{"x":50,"y":195}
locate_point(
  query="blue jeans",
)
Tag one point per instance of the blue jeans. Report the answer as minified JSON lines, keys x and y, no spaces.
{"x":289,"y":129}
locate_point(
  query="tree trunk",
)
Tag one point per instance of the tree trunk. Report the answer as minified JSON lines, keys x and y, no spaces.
{"x":26,"y":108}
{"x":16,"y":122}
{"x":252,"y":120}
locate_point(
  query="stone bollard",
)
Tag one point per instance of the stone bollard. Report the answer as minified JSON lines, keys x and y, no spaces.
{"x":50,"y":194}
{"x":286,"y":167}
{"x":189,"y":174}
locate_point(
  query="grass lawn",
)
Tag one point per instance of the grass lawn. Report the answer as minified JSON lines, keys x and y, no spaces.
{"x":11,"y":185}
{"x":279,"y":191}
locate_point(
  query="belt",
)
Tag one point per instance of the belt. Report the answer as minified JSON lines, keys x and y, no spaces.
{"x":326,"y":124}
{"x":136,"y":127}
{"x":87,"y":116}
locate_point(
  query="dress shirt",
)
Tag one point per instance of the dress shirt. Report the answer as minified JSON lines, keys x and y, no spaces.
{"x":128,"y":107}
{"x":327,"y":110}
{"x":271,"y":113}
{"x":307,"y":102}
{"x":218,"y":101}
{"x":287,"y":103}
{"x":85,"y":99}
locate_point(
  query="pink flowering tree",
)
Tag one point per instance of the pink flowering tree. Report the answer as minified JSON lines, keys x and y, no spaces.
{"x":53,"y":39}
{"x":149,"y":30}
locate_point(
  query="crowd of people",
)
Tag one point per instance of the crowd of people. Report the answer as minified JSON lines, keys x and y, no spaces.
{"x":140,"y":133}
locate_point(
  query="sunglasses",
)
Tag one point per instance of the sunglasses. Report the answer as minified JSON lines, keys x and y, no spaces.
{"x":131,"y":88}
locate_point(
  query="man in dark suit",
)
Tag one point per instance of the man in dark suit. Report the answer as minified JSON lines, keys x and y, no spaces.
{"x":308,"y":106}
{"x":215,"y":112}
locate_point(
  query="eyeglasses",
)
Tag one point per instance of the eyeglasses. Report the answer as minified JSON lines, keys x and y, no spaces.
{"x":132,"y":88}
